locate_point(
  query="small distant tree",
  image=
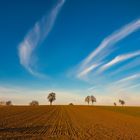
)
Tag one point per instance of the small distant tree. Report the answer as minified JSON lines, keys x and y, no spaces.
{"x":34,"y":103}
{"x":2,"y":103}
{"x":8,"y":103}
{"x":71,"y":104}
{"x":51,"y":97}
{"x":115,"y":104}
{"x":93,"y":99}
{"x":87,"y":99}
{"x":122,"y":102}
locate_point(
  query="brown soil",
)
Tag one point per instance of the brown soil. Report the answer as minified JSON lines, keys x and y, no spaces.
{"x":68,"y":122}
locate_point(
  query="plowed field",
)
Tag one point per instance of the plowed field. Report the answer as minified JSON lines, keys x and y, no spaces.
{"x":69,"y":122}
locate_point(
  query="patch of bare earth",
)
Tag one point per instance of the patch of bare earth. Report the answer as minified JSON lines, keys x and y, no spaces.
{"x":67,"y":122}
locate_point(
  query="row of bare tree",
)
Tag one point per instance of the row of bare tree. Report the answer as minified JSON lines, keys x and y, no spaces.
{"x":122,"y":102}
{"x":52,"y":97}
{"x":7,"y":103}
{"x":90,"y":98}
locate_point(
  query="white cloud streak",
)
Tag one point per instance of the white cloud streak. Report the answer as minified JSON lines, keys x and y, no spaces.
{"x":129,"y":78}
{"x":35,"y":37}
{"x":134,"y":86}
{"x":119,"y":59}
{"x":87,"y":70}
{"x":125,"y":83}
{"x":132,"y":64}
{"x":102,"y":51}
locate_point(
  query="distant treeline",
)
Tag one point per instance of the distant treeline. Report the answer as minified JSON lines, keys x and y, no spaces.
{"x":52,"y":97}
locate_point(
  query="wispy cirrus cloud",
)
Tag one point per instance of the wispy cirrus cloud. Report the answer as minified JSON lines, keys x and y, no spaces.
{"x":87,"y":70}
{"x":104,"y":49}
{"x":125,"y":83}
{"x":128,"y":66}
{"x":119,"y":59}
{"x":35,"y":37}
{"x":134,"y":86}
{"x":129,"y":78}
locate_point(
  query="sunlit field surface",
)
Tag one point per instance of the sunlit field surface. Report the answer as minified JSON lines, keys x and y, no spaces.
{"x":133,"y":111}
{"x":70,"y":122}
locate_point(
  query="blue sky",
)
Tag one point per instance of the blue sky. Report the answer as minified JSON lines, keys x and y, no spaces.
{"x":72,"y":47}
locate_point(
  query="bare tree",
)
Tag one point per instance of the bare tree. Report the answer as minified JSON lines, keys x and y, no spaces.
{"x":34,"y":103}
{"x":8,"y":103}
{"x":93,"y":99}
{"x":122,"y":102}
{"x":115,"y":104}
{"x":71,"y":104}
{"x":87,"y":99}
{"x":51,"y":97}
